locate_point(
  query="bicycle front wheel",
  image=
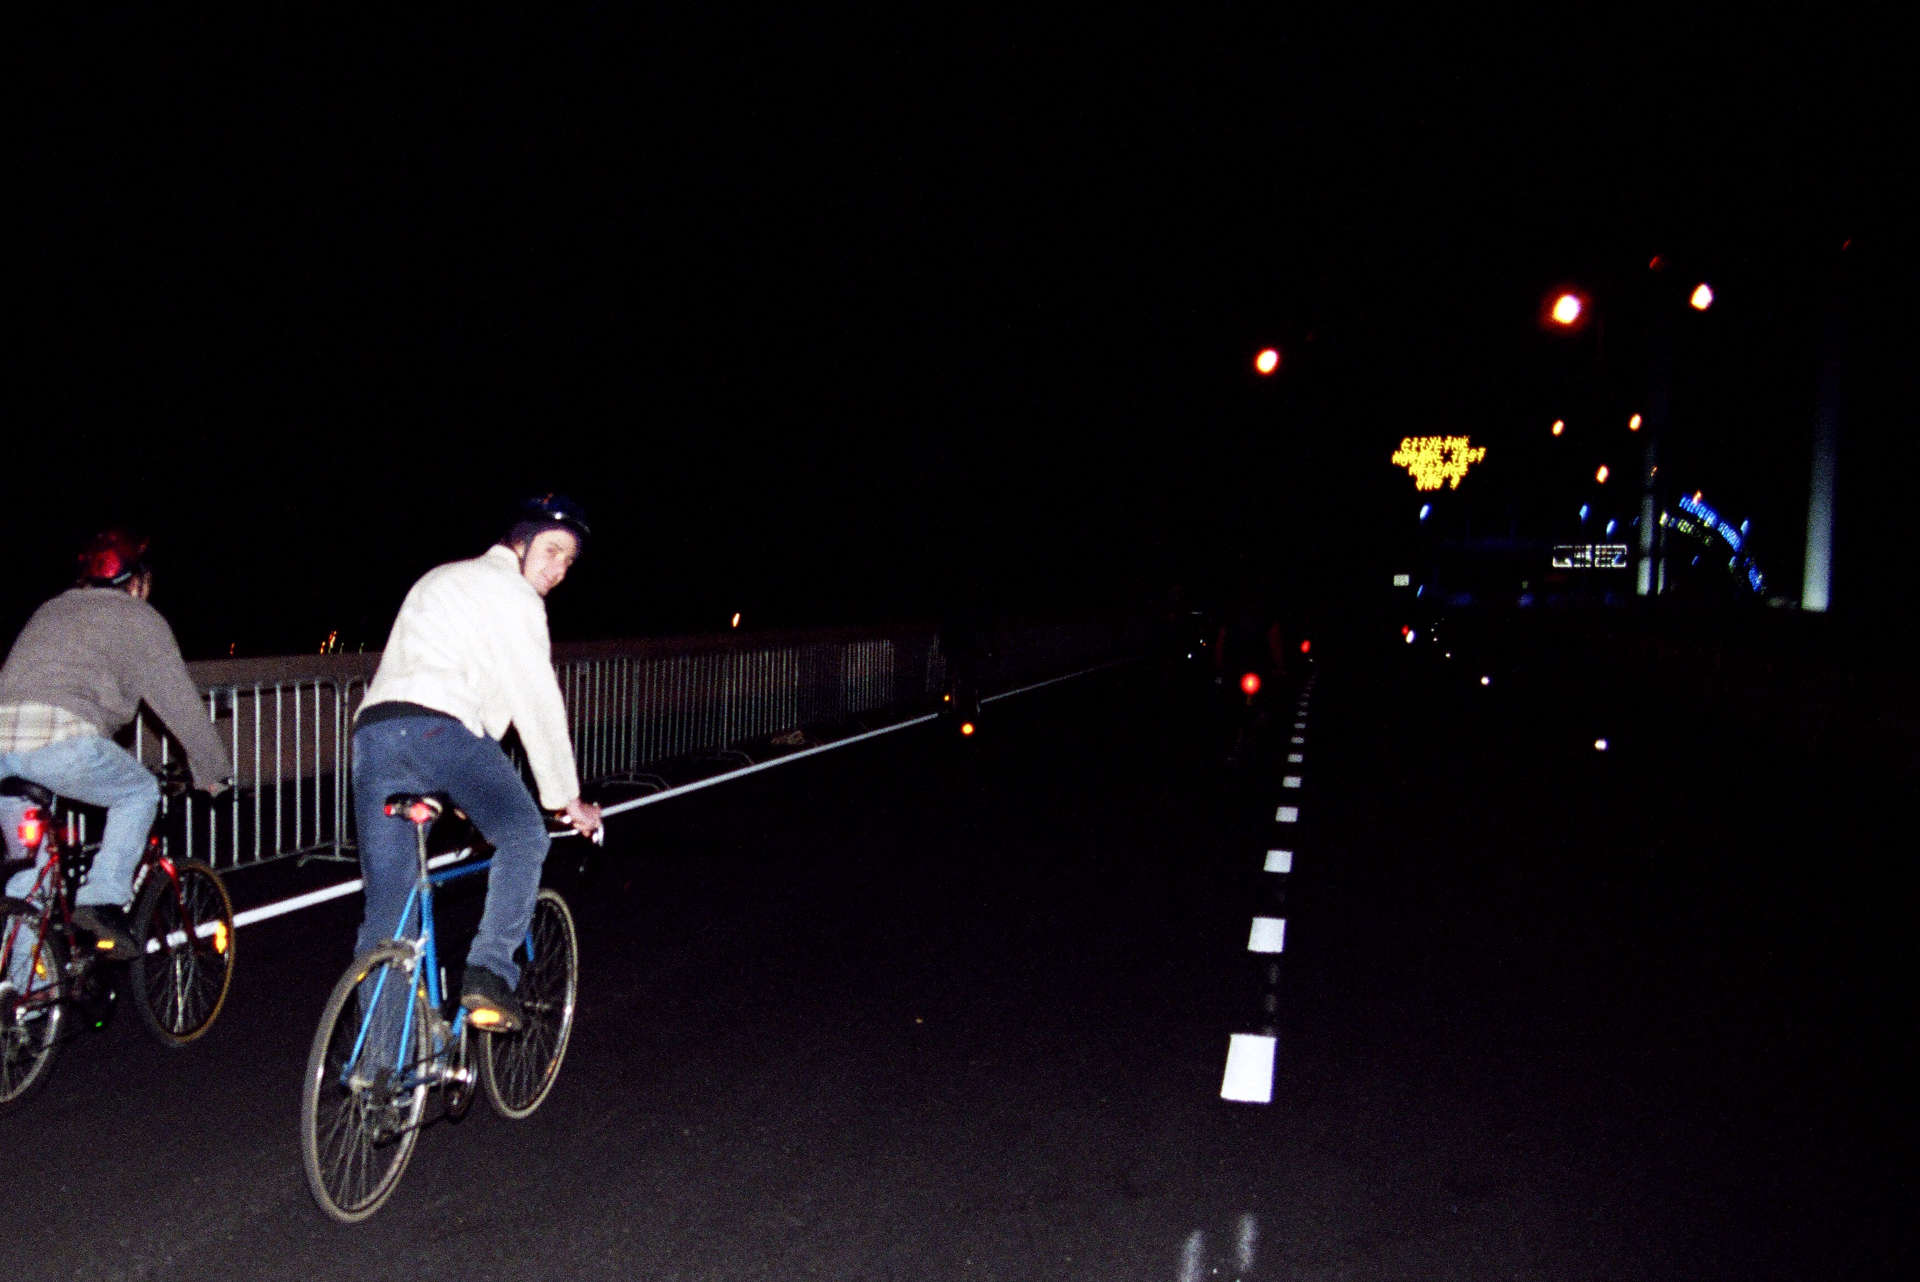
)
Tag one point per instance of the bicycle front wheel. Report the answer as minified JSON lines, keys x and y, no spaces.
{"x":185,"y":926}
{"x":30,"y":1007}
{"x":518,"y":1068}
{"x":366,"y":1085}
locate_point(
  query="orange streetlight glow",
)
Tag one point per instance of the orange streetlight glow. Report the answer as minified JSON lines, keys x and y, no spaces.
{"x":1267,"y":361}
{"x":1566,"y":309}
{"x":1601,"y":475}
{"x":1559,"y":426}
{"x":1702,"y":297}
{"x":1633,"y":424}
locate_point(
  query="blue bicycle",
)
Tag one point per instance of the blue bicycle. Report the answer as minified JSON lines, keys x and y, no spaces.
{"x":389,"y":1033}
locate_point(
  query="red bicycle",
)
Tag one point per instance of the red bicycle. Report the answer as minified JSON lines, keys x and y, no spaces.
{"x":52,"y":972}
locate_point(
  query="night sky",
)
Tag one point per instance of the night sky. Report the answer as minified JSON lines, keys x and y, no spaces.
{"x":846,"y":324}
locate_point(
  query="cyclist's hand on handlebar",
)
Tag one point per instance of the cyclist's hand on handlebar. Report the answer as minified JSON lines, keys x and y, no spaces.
{"x":582,"y":816}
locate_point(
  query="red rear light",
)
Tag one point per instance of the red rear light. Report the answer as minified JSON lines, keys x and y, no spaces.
{"x":1306,"y":647}
{"x":1251,"y":683}
{"x":33,"y":828}
{"x":420,"y":812}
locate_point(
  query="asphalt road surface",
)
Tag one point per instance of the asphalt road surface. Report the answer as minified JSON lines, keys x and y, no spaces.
{"x":923,"y":1008}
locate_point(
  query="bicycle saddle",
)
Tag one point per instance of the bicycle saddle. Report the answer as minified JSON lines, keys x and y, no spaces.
{"x":27,"y":789}
{"x":418,"y":807}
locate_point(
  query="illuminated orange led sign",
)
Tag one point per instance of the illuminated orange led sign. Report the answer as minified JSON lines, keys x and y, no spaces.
{"x":1433,"y":460}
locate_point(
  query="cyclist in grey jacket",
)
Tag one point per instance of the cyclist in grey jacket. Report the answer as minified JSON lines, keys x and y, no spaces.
{"x":469,"y":656}
{"x":75,"y":677}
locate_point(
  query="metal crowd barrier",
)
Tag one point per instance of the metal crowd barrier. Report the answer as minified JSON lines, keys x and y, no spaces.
{"x":632,"y":707}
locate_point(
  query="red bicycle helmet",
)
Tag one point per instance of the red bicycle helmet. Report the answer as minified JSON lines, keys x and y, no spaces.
{"x":113,"y":556}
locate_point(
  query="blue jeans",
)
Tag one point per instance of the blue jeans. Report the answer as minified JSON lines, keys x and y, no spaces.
{"x":99,"y":772}
{"x":419,"y":754}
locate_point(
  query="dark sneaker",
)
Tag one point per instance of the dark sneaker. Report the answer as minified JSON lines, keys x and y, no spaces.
{"x":108,"y":923}
{"x":490,"y":1003}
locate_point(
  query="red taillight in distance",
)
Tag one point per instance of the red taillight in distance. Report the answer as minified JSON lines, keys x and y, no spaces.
{"x":1250,"y":684}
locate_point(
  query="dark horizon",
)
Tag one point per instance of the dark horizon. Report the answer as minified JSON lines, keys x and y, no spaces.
{"x":844,"y":329}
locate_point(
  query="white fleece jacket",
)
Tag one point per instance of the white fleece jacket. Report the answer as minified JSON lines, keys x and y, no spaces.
{"x":471,"y":641}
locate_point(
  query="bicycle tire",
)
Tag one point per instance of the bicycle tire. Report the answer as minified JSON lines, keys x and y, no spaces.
{"x":30,"y":1019}
{"x":357,"y":1134}
{"x":518,"y":1068}
{"x":182,"y":975}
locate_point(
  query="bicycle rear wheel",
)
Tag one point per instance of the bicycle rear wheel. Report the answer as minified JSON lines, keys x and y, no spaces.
{"x":518,"y":1068}
{"x":366,"y":1085}
{"x":30,"y":1007}
{"x":186,"y":963}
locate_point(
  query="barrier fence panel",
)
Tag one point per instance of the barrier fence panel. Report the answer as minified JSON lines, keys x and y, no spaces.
{"x":632,"y":708}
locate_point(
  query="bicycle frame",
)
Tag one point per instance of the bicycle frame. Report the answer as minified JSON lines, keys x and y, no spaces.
{"x":426,"y":951}
{"x":66,"y":985}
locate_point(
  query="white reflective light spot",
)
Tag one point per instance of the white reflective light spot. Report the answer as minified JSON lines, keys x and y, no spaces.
{"x":1279,"y":861}
{"x":1599,"y":745}
{"x":1287,"y":815}
{"x":1269,"y":935}
{"x":1249,"y":1077}
{"x":1296,"y":756}
{"x":1291,"y":781}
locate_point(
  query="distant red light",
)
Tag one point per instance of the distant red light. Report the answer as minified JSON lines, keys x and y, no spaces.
{"x":1251,"y":683}
{"x":1306,"y":647}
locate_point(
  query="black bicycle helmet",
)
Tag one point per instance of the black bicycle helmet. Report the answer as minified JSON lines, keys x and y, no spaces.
{"x":112,"y":557}
{"x":549,"y":511}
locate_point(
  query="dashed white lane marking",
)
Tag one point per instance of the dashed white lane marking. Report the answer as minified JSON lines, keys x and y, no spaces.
{"x":1300,"y":725}
{"x":1246,"y":1243}
{"x":1279,"y":861}
{"x":1291,"y":781}
{"x":1269,"y":935}
{"x":1287,"y":815}
{"x":1295,"y":758}
{"x":1249,"y":1076}
{"x":1299,"y":739}
{"x":1193,"y":1255}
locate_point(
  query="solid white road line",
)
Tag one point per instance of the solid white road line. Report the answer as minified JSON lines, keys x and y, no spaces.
{"x":266,"y":911}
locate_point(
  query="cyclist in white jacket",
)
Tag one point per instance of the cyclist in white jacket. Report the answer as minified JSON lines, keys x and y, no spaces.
{"x":468,"y":657}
